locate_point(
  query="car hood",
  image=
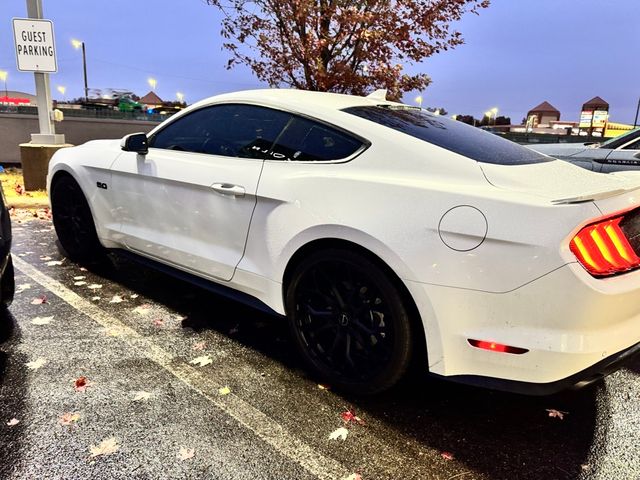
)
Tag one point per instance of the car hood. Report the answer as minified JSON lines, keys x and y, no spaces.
{"x":560,"y":149}
{"x":559,"y":182}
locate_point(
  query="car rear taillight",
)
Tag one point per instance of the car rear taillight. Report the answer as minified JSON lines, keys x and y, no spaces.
{"x":604,"y":247}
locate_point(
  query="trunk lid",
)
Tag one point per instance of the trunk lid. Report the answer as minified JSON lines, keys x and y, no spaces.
{"x":562,"y":183}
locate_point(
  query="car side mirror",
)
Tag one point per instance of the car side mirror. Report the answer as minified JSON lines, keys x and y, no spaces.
{"x":637,"y":155}
{"x":135,"y":142}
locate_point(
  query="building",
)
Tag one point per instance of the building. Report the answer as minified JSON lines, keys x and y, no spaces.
{"x":542,"y":116}
{"x":151,"y":100}
{"x":15,"y":99}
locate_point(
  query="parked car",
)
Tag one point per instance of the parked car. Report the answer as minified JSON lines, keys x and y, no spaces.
{"x":617,"y":154}
{"x":383,"y":232}
{"x":7,"y":282}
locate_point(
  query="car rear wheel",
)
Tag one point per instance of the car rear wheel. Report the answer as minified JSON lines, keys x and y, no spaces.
{"x":73,"y":221}
{"x":349,"y":321}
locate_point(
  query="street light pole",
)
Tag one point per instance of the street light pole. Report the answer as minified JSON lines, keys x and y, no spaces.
{"x":84,"y":67}
{"x":635,"y":122}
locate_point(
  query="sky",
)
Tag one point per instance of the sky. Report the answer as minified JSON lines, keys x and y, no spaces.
{"x":518,"y":53}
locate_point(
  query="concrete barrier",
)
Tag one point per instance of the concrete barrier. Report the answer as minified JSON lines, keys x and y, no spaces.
{"x":16,"y":129}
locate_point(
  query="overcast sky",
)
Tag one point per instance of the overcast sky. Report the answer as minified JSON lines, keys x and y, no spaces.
{"x":518,"y":53}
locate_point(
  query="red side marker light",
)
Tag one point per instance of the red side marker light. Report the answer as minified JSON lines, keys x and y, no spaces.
{"x":496,"y":347}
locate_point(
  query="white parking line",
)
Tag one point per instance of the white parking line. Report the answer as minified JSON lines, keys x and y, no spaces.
{"x":248,"y":416}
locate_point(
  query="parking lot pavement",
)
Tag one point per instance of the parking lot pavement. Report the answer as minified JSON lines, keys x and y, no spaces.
{"x":246,"y":409}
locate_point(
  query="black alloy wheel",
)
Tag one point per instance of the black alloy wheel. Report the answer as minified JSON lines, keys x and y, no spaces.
{"x":349,"y":321}
{"x":73,"y":221}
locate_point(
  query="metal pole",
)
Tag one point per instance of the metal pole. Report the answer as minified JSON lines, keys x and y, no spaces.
{"x":43,"y":91}
{"x":84,"y":67}
{"x":635,"y":122}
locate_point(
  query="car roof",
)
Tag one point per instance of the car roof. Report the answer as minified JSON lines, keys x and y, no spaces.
{"x":303,"y":99}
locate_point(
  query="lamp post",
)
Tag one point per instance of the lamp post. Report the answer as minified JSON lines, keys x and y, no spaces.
{"x":80,"y":44}
{"x":3,"y":76}
{"x":180,"y":97}
{"x":152,"y":83}
{"x":419,"y":100}
{"x":62,"y":91}
{"x":635,"y":122}
{"x":494,"y":110}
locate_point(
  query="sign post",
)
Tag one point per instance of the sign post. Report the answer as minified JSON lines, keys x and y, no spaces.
{"x":35,"y":52}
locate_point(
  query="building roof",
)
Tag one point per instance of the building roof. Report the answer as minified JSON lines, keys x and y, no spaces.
{"x":544,"y":107}
{"x":596,"y":102}
{"x":151,"y":99}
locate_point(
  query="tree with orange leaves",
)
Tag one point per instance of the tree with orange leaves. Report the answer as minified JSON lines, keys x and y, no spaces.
{"x":340,"y":45}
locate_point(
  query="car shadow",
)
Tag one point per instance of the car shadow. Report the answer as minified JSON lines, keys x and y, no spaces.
{"x":13,"y":390}
{"x":499,"y":434}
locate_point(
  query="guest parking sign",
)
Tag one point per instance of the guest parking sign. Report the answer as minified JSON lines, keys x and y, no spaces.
{"x":35,"y":45}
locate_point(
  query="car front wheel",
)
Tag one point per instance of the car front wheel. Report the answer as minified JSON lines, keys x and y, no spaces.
{"x":349,"y":321}
{"x":73,"y":221}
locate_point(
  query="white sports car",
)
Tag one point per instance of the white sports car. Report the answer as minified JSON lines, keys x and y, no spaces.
{"x":385,"y":234}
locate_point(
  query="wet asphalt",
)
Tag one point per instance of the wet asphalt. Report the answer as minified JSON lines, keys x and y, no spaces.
{"x":276,"y":421}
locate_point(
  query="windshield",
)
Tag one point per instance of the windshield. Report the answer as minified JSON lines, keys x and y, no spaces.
{"x":616,"y":142}
{"x":450,"y":134}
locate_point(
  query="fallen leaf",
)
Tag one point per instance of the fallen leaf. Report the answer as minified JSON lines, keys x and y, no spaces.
{"x":40,"y":300}
{"x":186,"y":453}
{"x":54,"y":263}
{"x":224,"y":391}
{"x":45,"y":258}
{"x":158,"y":322}
{"x":108,"y":446}
{"x":447,"y":455}
{"x":22,"y":287}
{"x":116,"y":299}
{"x":322,"y":387}
{"x":142,"y":309}
{"x":353,"y":476}
{"x":350,"y":416}
{"x":141,"y":395}
{"x":202,"y":361}
{"x":18,"y":189}
{"x":135,"y":295}
{"x":81,"y":384}
{"x":339,"y":433}
{"x":42,"y":320}
{"x":80,"y":283}
{"x":95,"y":299}
{"x":199,"y":346}
{"x":79,"y":277}
{"x":69,"y":418}
{"x":82,"y":269}
{"x":13,"y":422}
{"x":94,"y":286}
{"x":36,"y":364}
{"x":556,"y":413}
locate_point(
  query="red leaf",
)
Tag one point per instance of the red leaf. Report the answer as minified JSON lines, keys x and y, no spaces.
{"x":350,"y":416}
{"x":18,"y":188}
{"x":447,"y":455}
{"x":81,"y":384}
{"x":40,"y":300}
{"x":158,"y":322}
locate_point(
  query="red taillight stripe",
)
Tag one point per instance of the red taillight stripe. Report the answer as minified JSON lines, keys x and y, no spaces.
{"x":603,"y":249}
{"x":496,"y":347}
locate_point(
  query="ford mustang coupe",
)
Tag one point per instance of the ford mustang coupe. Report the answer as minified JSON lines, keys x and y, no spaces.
{"x":384,"y":233}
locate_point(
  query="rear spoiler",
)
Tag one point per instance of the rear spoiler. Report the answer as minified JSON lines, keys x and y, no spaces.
{"x":591,"y":197}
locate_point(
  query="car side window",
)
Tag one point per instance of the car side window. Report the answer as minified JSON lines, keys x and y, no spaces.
{"x":633,"y":146}
{"x":307,"y":140}
{"x":244,"y":131}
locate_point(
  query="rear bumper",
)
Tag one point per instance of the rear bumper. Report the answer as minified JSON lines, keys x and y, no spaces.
{"x":578,"y":380}
{"x":573,"y":326}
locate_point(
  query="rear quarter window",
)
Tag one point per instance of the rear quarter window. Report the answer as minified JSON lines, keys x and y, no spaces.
{"x":450,"y":134}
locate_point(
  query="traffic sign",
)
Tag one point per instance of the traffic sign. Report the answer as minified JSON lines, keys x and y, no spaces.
{"x":35,"y":45}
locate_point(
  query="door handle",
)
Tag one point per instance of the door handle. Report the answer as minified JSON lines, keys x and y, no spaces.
{"x":229,"y":189}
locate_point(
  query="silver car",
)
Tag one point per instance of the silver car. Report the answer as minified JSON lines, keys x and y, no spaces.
{"x":615,"y":155}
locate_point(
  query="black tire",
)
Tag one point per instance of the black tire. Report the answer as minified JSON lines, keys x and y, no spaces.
{"x":73,"y":222}
{"x":7,"y":284}
{"x":349,"y":321}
